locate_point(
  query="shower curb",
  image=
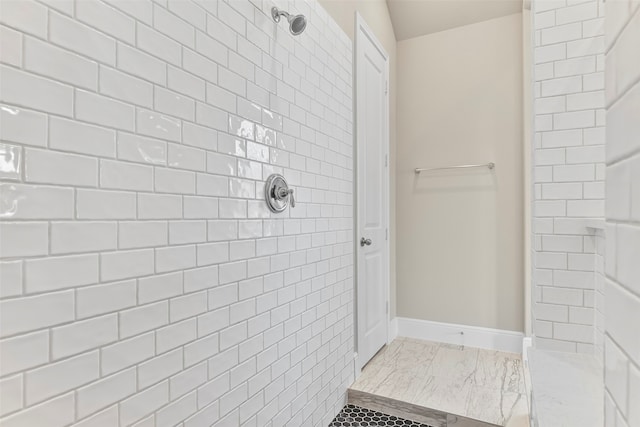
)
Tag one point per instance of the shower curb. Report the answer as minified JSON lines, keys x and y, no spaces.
{"x":411,"y":411}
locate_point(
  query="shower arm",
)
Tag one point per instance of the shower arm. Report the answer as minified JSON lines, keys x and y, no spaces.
{"x":276,"y":14}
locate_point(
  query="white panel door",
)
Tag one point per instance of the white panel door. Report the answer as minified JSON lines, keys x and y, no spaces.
{"x":372,"y":133}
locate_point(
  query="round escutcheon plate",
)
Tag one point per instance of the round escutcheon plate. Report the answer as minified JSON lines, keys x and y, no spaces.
{"x":276,"y":193}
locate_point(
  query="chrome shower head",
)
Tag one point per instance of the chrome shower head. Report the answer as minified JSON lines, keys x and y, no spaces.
{"x":297,"y":23}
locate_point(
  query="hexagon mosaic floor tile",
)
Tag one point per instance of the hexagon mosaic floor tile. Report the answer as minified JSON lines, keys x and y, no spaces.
{"x":355,"y":416}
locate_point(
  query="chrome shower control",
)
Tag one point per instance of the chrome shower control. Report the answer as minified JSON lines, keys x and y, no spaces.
{"x":364,"y":241}
{"x":277,"y":193}
{"x":284,"y":193}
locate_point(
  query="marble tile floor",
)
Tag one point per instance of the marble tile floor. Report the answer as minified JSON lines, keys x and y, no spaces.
{"x":451,"y":380}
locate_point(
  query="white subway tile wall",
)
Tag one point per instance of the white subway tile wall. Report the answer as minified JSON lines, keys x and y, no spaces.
{"x":143,"y":279}
{"x":569,"y":157}
{"x":621,"y":293}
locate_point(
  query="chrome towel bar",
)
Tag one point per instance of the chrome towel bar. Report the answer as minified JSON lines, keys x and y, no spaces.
{"x":489,"y":165}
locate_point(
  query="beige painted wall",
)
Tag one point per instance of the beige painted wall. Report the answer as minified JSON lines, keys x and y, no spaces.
{"x":460,"y":234}
{"x":376,"y":15}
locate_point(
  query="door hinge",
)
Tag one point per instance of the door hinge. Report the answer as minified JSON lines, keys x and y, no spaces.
{"x":386,"y":87}
{"x":386,"y":234}
{"x":387,"y":307}
{"x":386,"y":160}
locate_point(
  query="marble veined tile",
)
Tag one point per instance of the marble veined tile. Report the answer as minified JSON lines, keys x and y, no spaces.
{"x":477,"y":386}
{"x":444,"y":394}
{"x":454,"y":362}
{"x":412,"y":354}
{"x":397,"y":367}
{"x":499,"y":370}
{"x":403,"y":385}
{"x":372,"y":378}
{"x":567,"y":389}
{"x":500,"y":407}
{"x":407,"y":354}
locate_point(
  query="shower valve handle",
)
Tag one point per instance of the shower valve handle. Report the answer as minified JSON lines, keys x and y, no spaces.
{"x":287,"y":192}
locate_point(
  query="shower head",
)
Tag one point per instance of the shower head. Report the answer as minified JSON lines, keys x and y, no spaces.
{"x":297,"y":23}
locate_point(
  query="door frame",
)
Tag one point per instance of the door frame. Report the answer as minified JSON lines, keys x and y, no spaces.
{"x":362,"y":30}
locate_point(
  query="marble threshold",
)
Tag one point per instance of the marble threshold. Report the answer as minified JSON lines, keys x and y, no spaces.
{"x":444,"y":385}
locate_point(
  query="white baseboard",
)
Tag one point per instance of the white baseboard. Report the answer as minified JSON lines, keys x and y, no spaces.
{"x":472,"y":336}
{"x":393,"y":329}
{"x":526,"y":343}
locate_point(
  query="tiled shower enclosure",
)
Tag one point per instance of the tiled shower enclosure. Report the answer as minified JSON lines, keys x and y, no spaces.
{"x":144,"y":280}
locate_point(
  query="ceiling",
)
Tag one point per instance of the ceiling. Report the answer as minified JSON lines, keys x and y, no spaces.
{"x":413,"y":18}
